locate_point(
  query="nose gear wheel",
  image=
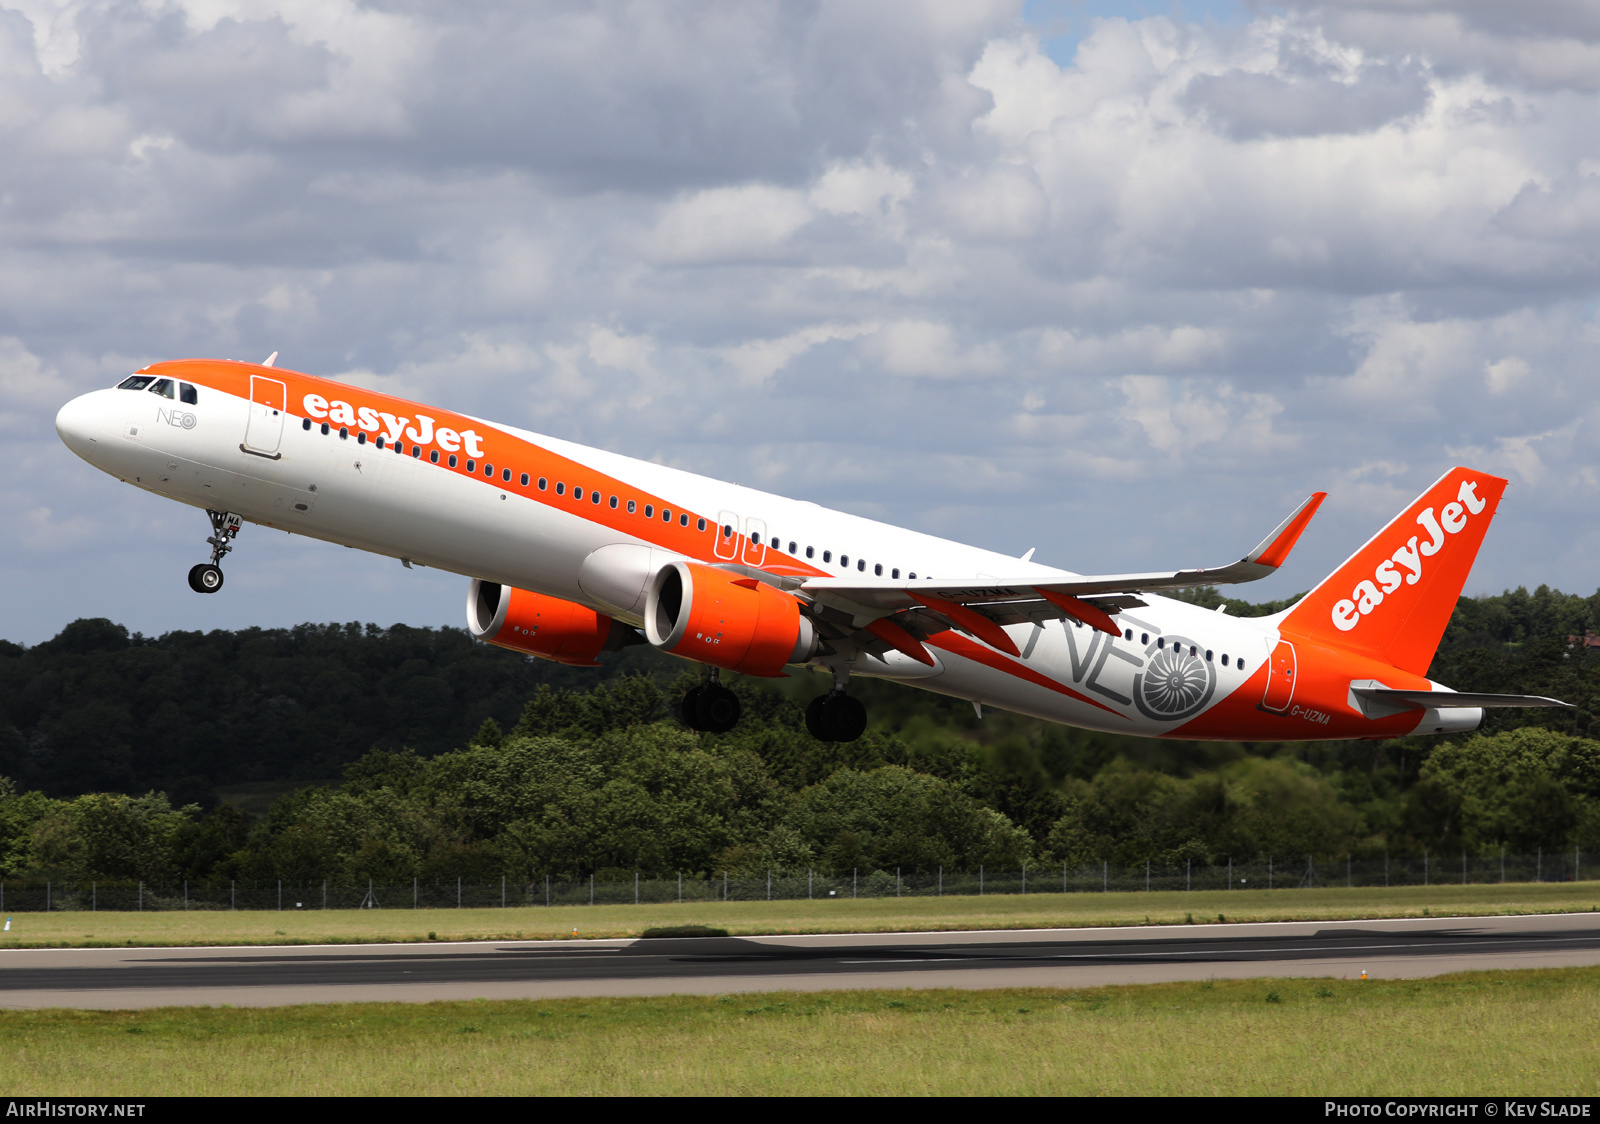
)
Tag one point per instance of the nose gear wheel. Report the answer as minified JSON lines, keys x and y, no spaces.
{"x":225,"y":526}
{"x":205,"y":578}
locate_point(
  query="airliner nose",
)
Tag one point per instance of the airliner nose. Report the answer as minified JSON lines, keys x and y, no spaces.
{"x":77,"y":423}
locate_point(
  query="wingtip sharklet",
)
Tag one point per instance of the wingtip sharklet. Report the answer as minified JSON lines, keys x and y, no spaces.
{"x":1274,"y":550}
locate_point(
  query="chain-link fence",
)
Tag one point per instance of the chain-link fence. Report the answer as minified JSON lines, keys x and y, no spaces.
{"x":1287,"y":873}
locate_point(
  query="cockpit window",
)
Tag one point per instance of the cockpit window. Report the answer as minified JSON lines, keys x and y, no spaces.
{"x":164,"y":388}
{"x":135,"y":382}
{"x":187,"y":393}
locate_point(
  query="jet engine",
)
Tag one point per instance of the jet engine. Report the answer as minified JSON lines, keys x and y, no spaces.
{"x":726,"y":620}
{"x":542,"y":626}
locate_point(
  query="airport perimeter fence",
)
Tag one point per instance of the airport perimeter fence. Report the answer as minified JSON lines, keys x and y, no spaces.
{"x":22,"y":896}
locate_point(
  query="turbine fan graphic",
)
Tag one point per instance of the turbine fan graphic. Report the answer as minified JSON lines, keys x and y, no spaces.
{"x":1176,"y":682}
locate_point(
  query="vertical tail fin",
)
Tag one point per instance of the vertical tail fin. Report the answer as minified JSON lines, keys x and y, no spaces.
{"x":1393,"y":598}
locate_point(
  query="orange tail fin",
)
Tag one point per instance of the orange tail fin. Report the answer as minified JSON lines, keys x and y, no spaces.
{"x":1393,"y":598}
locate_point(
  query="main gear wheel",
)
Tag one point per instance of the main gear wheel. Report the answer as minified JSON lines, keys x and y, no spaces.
{"x":710,"y":708}
{"x":836,"y":717}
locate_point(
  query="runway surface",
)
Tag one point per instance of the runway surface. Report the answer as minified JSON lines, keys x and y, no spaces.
{"x":268,"y":976}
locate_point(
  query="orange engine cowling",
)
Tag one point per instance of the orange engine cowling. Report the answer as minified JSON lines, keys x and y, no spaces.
{"x":726,"y":620}
{"x":542,"y":626}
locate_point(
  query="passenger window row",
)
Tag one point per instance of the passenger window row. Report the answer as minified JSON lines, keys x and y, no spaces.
{"x":827,"y":555}
{"x":1161,"y":643}
{"x":579,"y":492}
{"x":595,"y":496}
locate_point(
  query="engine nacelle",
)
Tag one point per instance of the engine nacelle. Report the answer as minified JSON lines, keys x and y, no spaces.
{"x":726,"y":620}
{"x":547,"y":627}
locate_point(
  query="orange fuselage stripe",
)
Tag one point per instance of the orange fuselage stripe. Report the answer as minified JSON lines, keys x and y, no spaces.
{"x":501,"y":450}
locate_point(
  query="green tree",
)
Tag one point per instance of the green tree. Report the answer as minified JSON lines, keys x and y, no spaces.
{"x":20,"y":814}
{"x":109,"y":835}
{"x":894,"y":817}
{"x":1523,"y":788}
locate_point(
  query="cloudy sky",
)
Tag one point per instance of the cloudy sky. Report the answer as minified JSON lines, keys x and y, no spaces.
{"x":1119,"y":281}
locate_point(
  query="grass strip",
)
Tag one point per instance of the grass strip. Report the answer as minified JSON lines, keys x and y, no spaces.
{"x":864,"y":915}
{"x":1472,"y":1034}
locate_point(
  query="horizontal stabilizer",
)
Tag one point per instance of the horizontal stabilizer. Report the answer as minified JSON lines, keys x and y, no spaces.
{"x":1439,"y":700}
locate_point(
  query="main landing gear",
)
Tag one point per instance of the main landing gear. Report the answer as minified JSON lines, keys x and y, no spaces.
{"x":207,"y":576}
{"x":836,"y":717}
{"x":710,"y":707}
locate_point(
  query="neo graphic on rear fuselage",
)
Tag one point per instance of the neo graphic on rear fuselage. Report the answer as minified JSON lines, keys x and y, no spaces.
{"x":573,"y":551}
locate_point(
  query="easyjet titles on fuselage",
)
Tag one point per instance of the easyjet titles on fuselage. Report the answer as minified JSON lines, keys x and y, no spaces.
{"x":338,"y":412}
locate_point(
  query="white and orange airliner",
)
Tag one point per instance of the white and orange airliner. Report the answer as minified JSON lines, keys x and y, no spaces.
{"x":573,"y":551}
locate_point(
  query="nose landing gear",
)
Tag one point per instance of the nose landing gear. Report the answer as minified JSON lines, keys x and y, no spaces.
{"x":207,"y":576}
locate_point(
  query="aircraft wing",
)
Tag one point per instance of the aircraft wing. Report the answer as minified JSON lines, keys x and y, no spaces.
{"x":976,"y":606}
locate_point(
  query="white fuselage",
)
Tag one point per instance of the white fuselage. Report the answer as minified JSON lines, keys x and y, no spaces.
{"x":343,"y":490}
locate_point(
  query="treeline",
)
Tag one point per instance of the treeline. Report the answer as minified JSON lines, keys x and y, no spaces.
{"x":606,"y":782}
{"x":596,"y":776}
{"x":96,"y":709}
{"x":99,"y":710}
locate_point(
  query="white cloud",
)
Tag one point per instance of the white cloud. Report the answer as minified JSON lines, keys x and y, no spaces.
{"x":1543,"y":43}
{"x":758,"y":360}
{"x":926,"y":348}
{"x":1006,"y":202}
{"x":1521,"y":455}
{"x":26,"y":380}
{"x":45,"y":531}
{"x":55,"y":33}
{"x":890,"y":257}
{"x":726,"y":224}
{"x":861,"y":188}
{"x":1132,"y":348}
{"x":1182,"y":417}
{"x":610,"y":348}
{"x":1406,"y":359}
{"x":1506,"y":374}
{"x":517,"y":270}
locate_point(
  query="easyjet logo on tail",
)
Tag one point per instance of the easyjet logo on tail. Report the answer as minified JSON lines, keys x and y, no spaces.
{"x":1405,"y":564}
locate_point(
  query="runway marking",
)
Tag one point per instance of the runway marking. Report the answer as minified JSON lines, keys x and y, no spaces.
{"x":1478,"y":945}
